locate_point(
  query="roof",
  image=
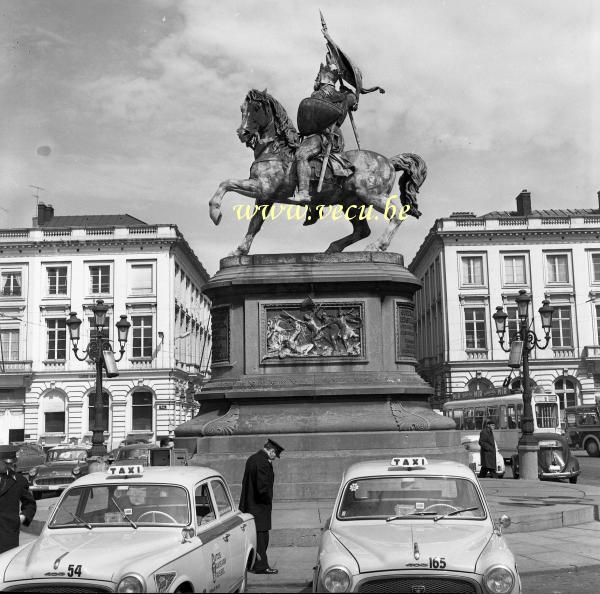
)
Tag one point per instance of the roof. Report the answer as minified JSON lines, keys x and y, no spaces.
{"x":187,"y":476}
{"x":550,"y":213}
{"x":70,"y":446}
{"x":121,"y":220}
{"x":381,"y":468}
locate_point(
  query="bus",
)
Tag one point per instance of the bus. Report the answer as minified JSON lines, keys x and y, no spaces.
{"x":506,"y":411}
{"x":583,"y":427}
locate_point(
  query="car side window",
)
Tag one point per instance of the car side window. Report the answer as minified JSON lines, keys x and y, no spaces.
{"x":221,"y":497}
{"x":205,"y":511}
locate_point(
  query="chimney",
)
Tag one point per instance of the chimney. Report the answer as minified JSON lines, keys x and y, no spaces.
{"x":44,"y":214}
{"x":524,"y":203}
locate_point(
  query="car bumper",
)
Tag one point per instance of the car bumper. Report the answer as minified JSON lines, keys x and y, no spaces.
{"x":57,"y":585}
{"x":559,"y":475}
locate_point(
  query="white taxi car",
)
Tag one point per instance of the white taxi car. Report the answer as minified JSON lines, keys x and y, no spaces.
{"x":408,"y":526}
{"x":136,"y":529}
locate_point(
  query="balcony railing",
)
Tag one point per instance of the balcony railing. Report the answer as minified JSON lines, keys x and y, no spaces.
{"x":15,"y":366}
{"x":83,"y":234}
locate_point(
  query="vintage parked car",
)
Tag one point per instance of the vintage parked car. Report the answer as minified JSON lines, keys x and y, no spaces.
{"x":148,"y":455}
{"x":138,"y":529}
{"x":471,"y":444}
{"x":63,"y":465}
{"x":29,"y":455}
{"x":406,"y":525}
{"x":555,"y":459}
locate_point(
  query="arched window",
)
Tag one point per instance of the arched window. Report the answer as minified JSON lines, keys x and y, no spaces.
{"x":567,"y":392}
{"x":53,"y":407}
{"x":91,"y":411}
{"x":141,"y":411}
{"x":478,"y":386}
{"x":516,"y":384}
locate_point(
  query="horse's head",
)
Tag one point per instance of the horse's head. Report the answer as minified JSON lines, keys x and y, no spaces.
{"x":256,"y":117}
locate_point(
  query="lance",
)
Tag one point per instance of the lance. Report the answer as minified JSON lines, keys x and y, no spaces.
{"x":336,"y":58}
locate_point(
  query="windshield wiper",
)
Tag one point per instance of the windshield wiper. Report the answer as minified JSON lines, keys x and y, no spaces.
{"x":79,"y":520}
{"x":123,"y":514}
{"x":410,"y":515}
{"x":453,"y":513}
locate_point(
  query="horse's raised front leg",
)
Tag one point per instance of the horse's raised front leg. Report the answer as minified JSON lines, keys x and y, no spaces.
{"x":256,"y":222}
{"x":246,"y":187}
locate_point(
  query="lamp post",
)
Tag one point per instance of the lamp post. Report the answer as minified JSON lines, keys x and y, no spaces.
{"x":526,"y":340}
{"x":100,"y":351}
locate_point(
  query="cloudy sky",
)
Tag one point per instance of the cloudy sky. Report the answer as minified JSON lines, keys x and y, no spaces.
{"x":117,"y":106}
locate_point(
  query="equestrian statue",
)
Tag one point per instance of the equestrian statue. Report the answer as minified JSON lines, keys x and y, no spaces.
{"x":309,"y":167}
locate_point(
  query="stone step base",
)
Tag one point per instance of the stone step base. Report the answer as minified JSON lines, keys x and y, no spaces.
{"x":312,"y":465}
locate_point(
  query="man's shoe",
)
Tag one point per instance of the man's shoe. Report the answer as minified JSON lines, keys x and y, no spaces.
{"x":269,"y":571}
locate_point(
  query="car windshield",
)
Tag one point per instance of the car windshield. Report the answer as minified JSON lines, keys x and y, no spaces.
{"x":410,"y":497}
{"x":66,"y":455}
{"x":133,"y":454}
{"x":118,"y":504}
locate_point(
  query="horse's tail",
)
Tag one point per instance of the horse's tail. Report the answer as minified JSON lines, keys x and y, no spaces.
{"x":414,"y":172}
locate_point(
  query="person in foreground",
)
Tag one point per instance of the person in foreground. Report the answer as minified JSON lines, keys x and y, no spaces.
{"x":17,"y":504}
{"x":257,"y":499}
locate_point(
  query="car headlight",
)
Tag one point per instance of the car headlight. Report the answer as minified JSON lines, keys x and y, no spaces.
{"x":33,"y":471}
{"x":132,"y":583}
{"x":337,"y":579}
{"x":76,"y":470}
{"x":499,"y":580}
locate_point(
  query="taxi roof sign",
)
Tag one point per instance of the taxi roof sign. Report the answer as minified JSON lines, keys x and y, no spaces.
{"x":125,"y":471}
{"x":408,"y":463}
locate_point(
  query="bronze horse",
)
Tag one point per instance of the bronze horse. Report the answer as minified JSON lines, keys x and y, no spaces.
{"x":268,"y":131}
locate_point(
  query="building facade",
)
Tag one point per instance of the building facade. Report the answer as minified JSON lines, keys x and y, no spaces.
{"x":66,"y":263}
{"x":471,"y":264}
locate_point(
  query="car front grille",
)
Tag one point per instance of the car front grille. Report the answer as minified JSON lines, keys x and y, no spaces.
{"x":54,"y":588}
{"x":54,"y":480}
{"x":421,"y":585}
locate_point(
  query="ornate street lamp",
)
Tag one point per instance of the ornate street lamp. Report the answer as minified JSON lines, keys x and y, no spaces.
{"x":526,"y":340}
{"x":100,"y":351}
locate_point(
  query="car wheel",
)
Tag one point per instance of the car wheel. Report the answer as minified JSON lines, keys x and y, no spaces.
{"x":573,"y":479}
{"x":591,"y":447}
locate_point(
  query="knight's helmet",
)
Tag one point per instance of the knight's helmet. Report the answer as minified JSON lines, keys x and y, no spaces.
{"x":328,"y":73}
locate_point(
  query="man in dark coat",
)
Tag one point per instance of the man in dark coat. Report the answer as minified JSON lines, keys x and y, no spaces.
{"x":257,"y":498}
{"x":17,"y":505}
{"x":487,"y":443}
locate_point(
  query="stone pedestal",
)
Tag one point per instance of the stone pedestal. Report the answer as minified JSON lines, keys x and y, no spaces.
{"x":316,"y":344}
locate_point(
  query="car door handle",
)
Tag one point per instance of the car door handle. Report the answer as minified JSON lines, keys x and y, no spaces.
{"x":244,"y":527}
{"x":226,"y":537}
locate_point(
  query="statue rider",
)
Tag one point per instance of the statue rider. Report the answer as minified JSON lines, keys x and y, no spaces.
{"x":319,"y":121}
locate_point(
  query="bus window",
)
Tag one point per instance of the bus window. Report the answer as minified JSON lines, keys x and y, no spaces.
{"x":458,"y":418}
{"x":468,"y":420}
{"x":492,"y":415}
{"x":546,"y":415}
{"x":519,"y":415}
{"x":479,"y":417}
{"x":511,"y":417}
{"x":502,"y":418}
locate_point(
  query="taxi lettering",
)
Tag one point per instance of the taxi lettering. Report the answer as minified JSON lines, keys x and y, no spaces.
{"x":218,"y":565}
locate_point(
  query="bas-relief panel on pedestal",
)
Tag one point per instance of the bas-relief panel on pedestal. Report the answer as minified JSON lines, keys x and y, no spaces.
{"x":312,"y":331}
{"x":405,"y":330}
